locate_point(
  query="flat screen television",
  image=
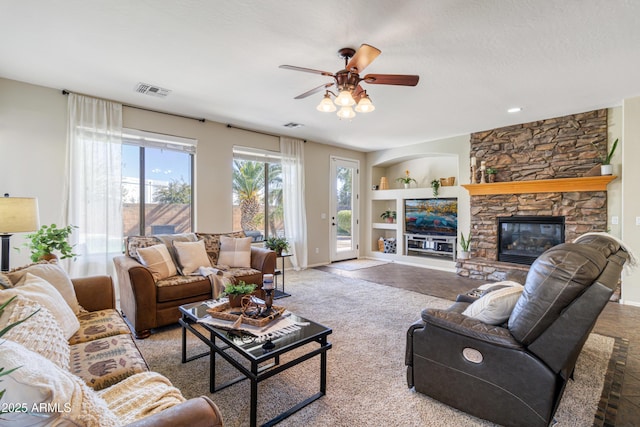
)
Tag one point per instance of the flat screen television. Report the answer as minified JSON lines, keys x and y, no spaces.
{"x":437,"y":217}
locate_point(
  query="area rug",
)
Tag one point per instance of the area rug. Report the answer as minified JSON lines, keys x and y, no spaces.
{"x":356,"y":264}
{"x":366,"y":384}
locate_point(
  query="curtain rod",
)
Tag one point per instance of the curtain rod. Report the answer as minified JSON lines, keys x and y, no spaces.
{"x":66,"y":92}
{"x":230,"y":126}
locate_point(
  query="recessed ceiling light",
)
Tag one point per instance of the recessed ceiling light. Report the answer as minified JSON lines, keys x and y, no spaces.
{"x":514,"y":110}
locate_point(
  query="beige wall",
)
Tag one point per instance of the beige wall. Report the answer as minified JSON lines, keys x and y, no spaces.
{"x":33,"y":143}
{"x":630,"y":153}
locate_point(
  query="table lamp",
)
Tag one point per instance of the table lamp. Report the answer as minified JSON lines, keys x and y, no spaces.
{"x":17,"y":215}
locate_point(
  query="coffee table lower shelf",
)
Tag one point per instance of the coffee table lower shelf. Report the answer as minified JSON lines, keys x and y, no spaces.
{"x":264,"y":364}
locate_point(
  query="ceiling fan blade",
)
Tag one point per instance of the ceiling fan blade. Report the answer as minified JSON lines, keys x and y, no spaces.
{"x":306,"y":70}
{"x":391,"y":79}
{"x":363,"y":57}
{"x":315,"y":90}
{"x":357,"y":93}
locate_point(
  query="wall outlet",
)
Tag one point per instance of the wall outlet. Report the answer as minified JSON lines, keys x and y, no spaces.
{"x":614,"y":220}
{"x":317,"y":250}
{"x":638,"y":220}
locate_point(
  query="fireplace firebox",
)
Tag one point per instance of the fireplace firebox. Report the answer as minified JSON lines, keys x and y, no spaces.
{"x":521,"y":239}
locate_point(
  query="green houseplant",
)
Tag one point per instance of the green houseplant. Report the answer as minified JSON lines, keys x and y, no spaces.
{"x":406,"y":179}
{"x":435,"y":186}
{"x":491,"y":173}
{"x":389,"y":216}
{"x":606,"y":168}
{"x":50,"y":238}
{"x":235,"y":292}
{"x":465,"y":245}
{"x":277,"y":244}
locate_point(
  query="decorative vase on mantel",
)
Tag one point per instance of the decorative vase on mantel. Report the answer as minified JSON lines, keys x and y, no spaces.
{"x":407,"y":185}
{"x":464,"y":255}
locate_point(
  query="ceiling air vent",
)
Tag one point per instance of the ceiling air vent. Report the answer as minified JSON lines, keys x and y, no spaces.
{"x":152,"y":90}
{"x":292,"y":125}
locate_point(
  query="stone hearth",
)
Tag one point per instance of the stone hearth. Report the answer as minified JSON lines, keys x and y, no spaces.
{"x":564,"y":147}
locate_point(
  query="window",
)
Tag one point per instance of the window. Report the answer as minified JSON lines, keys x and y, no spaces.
{"x":257,"y":193}
{"x":157,"y":183}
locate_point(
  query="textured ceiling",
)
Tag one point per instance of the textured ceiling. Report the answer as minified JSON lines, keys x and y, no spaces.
{"x":220,"y":59}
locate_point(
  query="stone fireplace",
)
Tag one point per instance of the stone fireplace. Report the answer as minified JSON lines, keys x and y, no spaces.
{"x":554,"y":149}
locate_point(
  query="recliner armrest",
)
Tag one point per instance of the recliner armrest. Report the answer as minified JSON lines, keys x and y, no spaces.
{"x":469,"y":327}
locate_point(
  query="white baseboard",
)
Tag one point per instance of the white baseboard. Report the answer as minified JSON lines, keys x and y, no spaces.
{"x":631,"y":303}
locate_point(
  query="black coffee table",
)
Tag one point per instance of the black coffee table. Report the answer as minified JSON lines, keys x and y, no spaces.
{"x":264,"y":364}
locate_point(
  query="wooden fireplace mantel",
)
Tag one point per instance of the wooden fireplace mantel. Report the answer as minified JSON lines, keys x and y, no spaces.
{"x":560,"y":185}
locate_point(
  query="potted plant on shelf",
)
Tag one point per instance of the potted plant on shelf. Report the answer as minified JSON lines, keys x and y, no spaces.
{"x":277,"y":244}
{"x":606,"y":168}
{"x":491,"y":174}
{"x":389,"y":216}
{"x":406,"y":179}
{"x":464,"y":245}
{"x":50,"y":238}
{"x":435,"y":185}
{"x":235,"y":292}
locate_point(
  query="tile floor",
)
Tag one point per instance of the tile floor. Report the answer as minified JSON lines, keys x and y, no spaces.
{"x":616,"y":319}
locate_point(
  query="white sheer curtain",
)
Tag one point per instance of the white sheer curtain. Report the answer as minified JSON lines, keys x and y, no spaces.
{"x":295,"y":213}
{"x":94,"y":191}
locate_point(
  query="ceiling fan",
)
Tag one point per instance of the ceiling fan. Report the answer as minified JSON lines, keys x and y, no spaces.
{"x":348,"y":82}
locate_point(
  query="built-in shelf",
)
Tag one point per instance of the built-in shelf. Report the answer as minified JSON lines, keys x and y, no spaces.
{"x":560,"y":185}
{"x":384,"y":225}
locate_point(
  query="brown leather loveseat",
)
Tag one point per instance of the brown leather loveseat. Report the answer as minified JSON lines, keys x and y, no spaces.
{"x":514,"y":373}
{"x":148,"y":303}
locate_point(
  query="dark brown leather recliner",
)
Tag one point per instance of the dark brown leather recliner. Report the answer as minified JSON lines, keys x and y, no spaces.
{"x":524,"y":364}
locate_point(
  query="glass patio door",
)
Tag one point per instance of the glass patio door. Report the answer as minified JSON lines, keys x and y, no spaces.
{"x":344,"y":209}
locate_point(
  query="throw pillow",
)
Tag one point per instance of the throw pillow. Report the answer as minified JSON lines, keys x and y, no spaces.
{"x":66,"y":399}
{"x":39,"y":290}
{"x":55,"y":275}
{"x":40,"y":333}
{"x":157,"y":259}
{"x":168,"y":240}
{"x":494,"y":308}
{"x":235,"y":252}
{"x":191,"y":256}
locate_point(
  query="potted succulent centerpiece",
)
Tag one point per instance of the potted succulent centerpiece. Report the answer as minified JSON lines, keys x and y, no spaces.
{"x":389,"y":216}
{"x":235,"y":292}
{"x":406,"y":179}
{"x":277,"y":244}
{"x":50,"y":238}
{"x":465,"y":246}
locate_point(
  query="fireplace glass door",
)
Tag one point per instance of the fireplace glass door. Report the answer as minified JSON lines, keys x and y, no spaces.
{"x":522,"y":239}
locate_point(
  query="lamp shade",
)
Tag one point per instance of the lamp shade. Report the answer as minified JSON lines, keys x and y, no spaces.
{"x":345,"y":99}
{"x":365,"y":105}
{"x":18,"y":215}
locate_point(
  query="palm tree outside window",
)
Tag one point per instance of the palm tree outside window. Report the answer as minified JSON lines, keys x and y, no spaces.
{"x":257,"y":193}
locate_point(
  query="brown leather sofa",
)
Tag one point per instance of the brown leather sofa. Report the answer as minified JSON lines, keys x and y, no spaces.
{"x":147,"y":304}
{"x":514,"y":374}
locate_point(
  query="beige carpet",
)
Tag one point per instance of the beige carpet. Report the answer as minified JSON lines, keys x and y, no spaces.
{"x":366,"y":374}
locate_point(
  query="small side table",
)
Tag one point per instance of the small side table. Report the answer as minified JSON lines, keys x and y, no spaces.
{"x":280,"y":272}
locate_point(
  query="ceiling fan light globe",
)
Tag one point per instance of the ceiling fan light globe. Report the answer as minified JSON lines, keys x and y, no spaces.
{"x":346,"y":113}
{"x":326,"y":105}
{"x":365,"y":105}
{"x":345,"y":99}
